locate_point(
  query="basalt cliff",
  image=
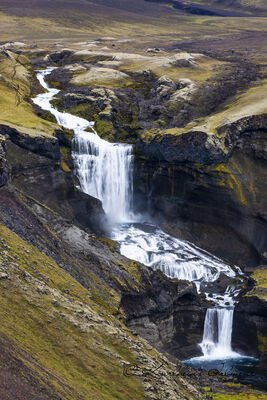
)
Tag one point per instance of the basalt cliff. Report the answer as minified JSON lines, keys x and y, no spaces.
{"x":79,"y":320}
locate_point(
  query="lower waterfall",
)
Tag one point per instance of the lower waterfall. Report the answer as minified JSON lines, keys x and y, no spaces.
{"x":104,"y":171}
{"x":217,"y":333}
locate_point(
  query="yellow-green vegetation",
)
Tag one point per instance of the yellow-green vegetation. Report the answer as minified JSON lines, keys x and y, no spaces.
{"x":235,"y":391}
{"x":260,"y":289}
{"x":15,"y":90}
{"x":66,"y":159}
{"x":105,"y":129}
{"x":65,"y":166}
{"x":229,"y":178}
{"x":262,"y":340}
{"x":242,"y":394}
{"x":110,"y":243}
{"x":102,"y":77}
{"x":251,"y":102}
{"x":51,"y":316}
{"x":68,"y":339}
{"x":201,"y":69}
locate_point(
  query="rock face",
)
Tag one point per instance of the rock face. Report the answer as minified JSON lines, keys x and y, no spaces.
{"x":50,"y":228}
{"x":169,"y":314}
{"x":44,"y":145}
{"x":251,"y":317}
{"x":36,"y":174}
{"x":195,"y":147}
{"x":198,"y":146}
{"x":208,"y":203}
{"x":3,"y":162}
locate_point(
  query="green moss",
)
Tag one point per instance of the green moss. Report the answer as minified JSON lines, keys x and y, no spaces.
{"x":85,"y":110}
{"x":150,"y":134}
{"x":110,"y":243}
{"x":39,"y":310}
{"x":105,"y":129}
{"x":56,"y":84}
{"x":65,"y":166}
{"x":66,"y":159}
{"x":260,"y":289}
{"x":57,"y":103}
{"x":262,"y":342}
{"x":244,"y":395}
{"x":229,"y":179}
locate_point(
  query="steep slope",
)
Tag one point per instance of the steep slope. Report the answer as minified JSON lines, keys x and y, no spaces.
{"x":63,"y":329}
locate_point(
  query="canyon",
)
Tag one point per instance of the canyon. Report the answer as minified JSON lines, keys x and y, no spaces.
{"x":133,"y":208}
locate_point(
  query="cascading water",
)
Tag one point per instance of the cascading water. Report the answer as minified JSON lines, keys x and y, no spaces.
{"x":105,"y":171}
{"x":217,"y":334}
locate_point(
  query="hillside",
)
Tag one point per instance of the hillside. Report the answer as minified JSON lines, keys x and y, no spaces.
{"x":177,"y":92}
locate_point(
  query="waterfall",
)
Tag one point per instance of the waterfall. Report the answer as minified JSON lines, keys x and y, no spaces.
{"x":104,"y":171}
{"x":217,"y":335}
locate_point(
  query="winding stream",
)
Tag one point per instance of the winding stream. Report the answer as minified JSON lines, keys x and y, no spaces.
{"x":105,"y":172}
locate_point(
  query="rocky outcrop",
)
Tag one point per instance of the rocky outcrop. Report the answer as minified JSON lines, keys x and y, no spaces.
{"x":43,"y":144}
{"x":3,"y":162}
{"x":208,"y":203}
{"x":34,"y":175}
{"x":251,"y":318}
{"x":198,"y":146}
{"x":195,"y":147}
{"x":169,"y":314}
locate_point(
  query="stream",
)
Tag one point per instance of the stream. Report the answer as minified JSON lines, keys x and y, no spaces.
{"x":105,"y":171}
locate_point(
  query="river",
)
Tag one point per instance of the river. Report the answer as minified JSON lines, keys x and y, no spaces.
{"x":105,"y":171}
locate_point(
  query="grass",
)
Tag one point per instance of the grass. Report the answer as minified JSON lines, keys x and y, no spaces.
{"x":40,"y":311}
{"x":15,"y":90}
{"x":204,"y":68}
{"x":251,"y":102}
{"x":250,"y":394}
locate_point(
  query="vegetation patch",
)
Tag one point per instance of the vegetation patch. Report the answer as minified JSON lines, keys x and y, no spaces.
{"x":15,"y":91}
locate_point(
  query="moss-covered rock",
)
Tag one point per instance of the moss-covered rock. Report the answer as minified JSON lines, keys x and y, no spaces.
{"x":105,"y":129}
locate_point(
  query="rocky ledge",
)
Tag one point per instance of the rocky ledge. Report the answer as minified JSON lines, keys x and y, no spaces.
{"x":198,"y":146}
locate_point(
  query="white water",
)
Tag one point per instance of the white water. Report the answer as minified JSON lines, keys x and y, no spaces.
{"x":176,"y":258}
{"x":217,"y":336}
{"x":104,"y":169}
{"x":105,"y":172}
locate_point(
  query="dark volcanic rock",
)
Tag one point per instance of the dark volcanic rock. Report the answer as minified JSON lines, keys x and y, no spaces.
{"x":35,"y":175}
{"x":59,"y":56}
{"x":169,"y":314}
{"x":197,"y":147}
{"x":219,"y":207}
{"x":250,"y":327}
{"x":201,"y":147}
{"x":3,"y":162}
{"x":42,"y":144}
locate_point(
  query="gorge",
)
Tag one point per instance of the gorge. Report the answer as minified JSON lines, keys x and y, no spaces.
{"x":133,"y":198}
{"x":105,"y":171}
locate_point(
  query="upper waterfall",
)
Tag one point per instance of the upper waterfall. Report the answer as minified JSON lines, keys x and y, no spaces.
{"x":103,"y":168}
{"x":104,"y":171}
